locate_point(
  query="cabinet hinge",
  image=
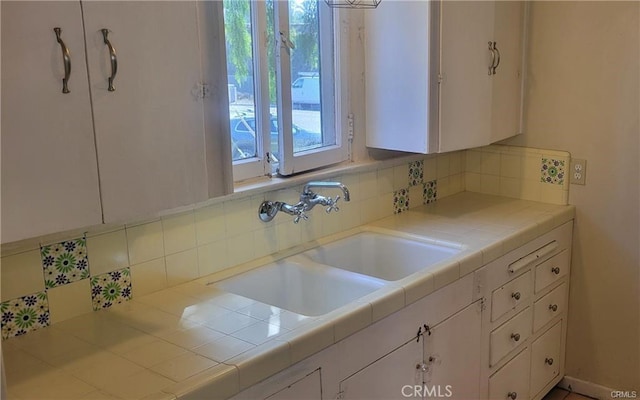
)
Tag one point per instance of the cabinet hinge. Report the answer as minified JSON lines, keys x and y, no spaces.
{"x":201,"y":91}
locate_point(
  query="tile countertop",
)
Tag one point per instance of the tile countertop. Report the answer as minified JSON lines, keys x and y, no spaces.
{"x":196,"y":341}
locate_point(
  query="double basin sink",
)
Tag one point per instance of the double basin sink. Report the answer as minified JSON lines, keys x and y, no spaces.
{"x":330,"y":276}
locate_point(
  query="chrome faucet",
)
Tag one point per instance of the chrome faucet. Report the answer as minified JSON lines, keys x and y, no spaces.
{"x":308,"y":199}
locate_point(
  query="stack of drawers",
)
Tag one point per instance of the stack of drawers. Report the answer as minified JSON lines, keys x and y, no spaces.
{"x":526,"y":293}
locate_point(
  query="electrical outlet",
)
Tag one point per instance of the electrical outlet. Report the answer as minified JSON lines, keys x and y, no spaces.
{"x":578,"y":172}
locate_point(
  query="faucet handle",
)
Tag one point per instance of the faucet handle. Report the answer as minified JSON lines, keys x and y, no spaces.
{"x":333,"y":206}
{"x":300,"y":214}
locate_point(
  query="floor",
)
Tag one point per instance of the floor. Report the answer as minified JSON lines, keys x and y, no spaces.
{"x":561,"y":394}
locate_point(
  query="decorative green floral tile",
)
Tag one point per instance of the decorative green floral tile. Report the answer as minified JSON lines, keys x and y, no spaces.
{"x":65,"y":262}
{"x":416,"y":173}
{"x":429,"y":192}
{"x":24,"y":314}
{"x":111,"y":288}
{"x":552,"y":171}
{"x":400,"y":201}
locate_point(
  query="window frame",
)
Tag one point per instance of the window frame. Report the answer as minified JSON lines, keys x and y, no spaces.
{"x":334,"y":94}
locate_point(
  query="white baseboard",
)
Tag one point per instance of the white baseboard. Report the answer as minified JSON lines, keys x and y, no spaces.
{"x":585,"y":388}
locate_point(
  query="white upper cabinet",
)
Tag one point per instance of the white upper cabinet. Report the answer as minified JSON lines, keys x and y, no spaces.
{"x":149,"y":130}
{"x":49,"y":170}
{"x":430,"y":85}
{"x":110,"y":154}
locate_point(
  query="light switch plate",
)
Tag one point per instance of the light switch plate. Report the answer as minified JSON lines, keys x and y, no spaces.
{"x":578,"y":172}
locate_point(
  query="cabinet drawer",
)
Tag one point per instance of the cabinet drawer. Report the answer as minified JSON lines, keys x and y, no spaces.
{"x":551,"y":270}
{"x":509,"y":335}
{"x":545,"y":358}
{"x":512,"y":380}
{"x":549,"y":306}
{"x":510,"y":295}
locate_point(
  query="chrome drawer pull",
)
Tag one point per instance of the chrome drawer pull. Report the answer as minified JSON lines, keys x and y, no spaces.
{"x":553,"y":307}
{"x":512,"y":395}
{"x":66,"y":59}
{"x":555,"y":270}
{"x":548,"y":361}
{"x":516,"y":295}
{"x":112,"y":57}
{"x":515,"y":337}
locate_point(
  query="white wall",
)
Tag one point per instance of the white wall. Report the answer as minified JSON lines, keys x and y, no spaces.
{"x":583,"y":97}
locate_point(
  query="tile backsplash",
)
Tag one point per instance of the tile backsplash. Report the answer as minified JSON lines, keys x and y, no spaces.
{"x":58,"y":281}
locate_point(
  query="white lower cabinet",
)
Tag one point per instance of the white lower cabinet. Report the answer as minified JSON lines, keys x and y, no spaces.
{"x":512,"y":380}
{"x":450,"y":344}
{"x":395,"y":375}
{"x":308,"y":387}
{"x":545,"y":358}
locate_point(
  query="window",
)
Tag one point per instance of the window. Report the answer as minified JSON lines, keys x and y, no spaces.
{"x":283,"y":88}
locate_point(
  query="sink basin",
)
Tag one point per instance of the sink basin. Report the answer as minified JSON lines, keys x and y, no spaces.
{"x":307,"y":289}
{"x":379,"y":255}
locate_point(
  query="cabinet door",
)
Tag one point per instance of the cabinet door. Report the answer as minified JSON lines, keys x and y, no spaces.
{"x":545,"y":358}
{"x":49,"y":170}
{"x":394,"y":376}
{"x":307,"y":388}
{"x":452,"y":354}
{"x":465,"y":88}
{"x":150,"y":130}
{"x":507,"y":83}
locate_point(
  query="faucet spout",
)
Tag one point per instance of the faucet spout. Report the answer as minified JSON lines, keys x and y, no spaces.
{"x":318,"y":184}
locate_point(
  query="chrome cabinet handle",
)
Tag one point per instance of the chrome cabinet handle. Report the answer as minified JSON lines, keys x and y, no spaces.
{"x":516,"y":295}
{"x":113,"y":58}
{"x":548,"y":361}
{"x":493,"y":58}
{"x":67,"y":61}
{"x":515,"y":337}
{"x":555,"y":270}
{"x":512,"y":395}
{"x":553,"y":307}
{"x":498,"y":59}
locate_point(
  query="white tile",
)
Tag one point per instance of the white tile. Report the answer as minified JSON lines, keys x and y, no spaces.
{"x":182,"y":267}
{"x":553,"y":194}
{"x":103,"y":368}
{"x":181,"y":368}
{"x":260,"y":311}
{"x":22,"y":274}
{"x":490,"y":184}
{"x":210,"y":225}
{"x":288,"y":233}
{"x":154,"y":353}
{"x":107,"y":252}
{"x":349,"y":215}
{"x":510,"y":187}
{"x":52,"y":385}
{"x":354,"y":317}
{"x":313,"y":228}
{"x":288,"y":319}
{"x":532,"y":166}
{"x":416,"y":197}
{"x":443,"y":167}
{"x":240,"y":248}
{"x":71,"y":300}
{"x":369,"y":210}
{"x":139,"y":385}
{"x":472,"y":182}
{"x":444,"y":188}
{"x":430,"y":168}
{"x":148,"y":277}
{"x":224,"y":348}
{"x":212,"y":257}
{"x":511,"y":166}
{"x":331,"y":225}
{"x":259,"y":333}
{"x":455,"y":162}
{"x":261,"y":362}
{"x":445,"y":276}
{"x":240,"y":217}
{"x":194,"y":337}
{"x":368,"y":185}
{"x":473,"y":161}
{"x":48,"y":343}
{"x":401,"y":177}
{"x":530,"y":190}
{"x":179,"y":233}
{"x":231,"y":322}
{"x":265,"y":241}
{"x":385,"y":180}
{"x":490,"y":163}
{"x":145,"y":242}
{"x":196,"y":388}
{"x":308,"y":339}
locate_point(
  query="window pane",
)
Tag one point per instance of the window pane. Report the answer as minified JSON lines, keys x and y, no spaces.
{"x":242,"y":105}
{"x":307,"y":76}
